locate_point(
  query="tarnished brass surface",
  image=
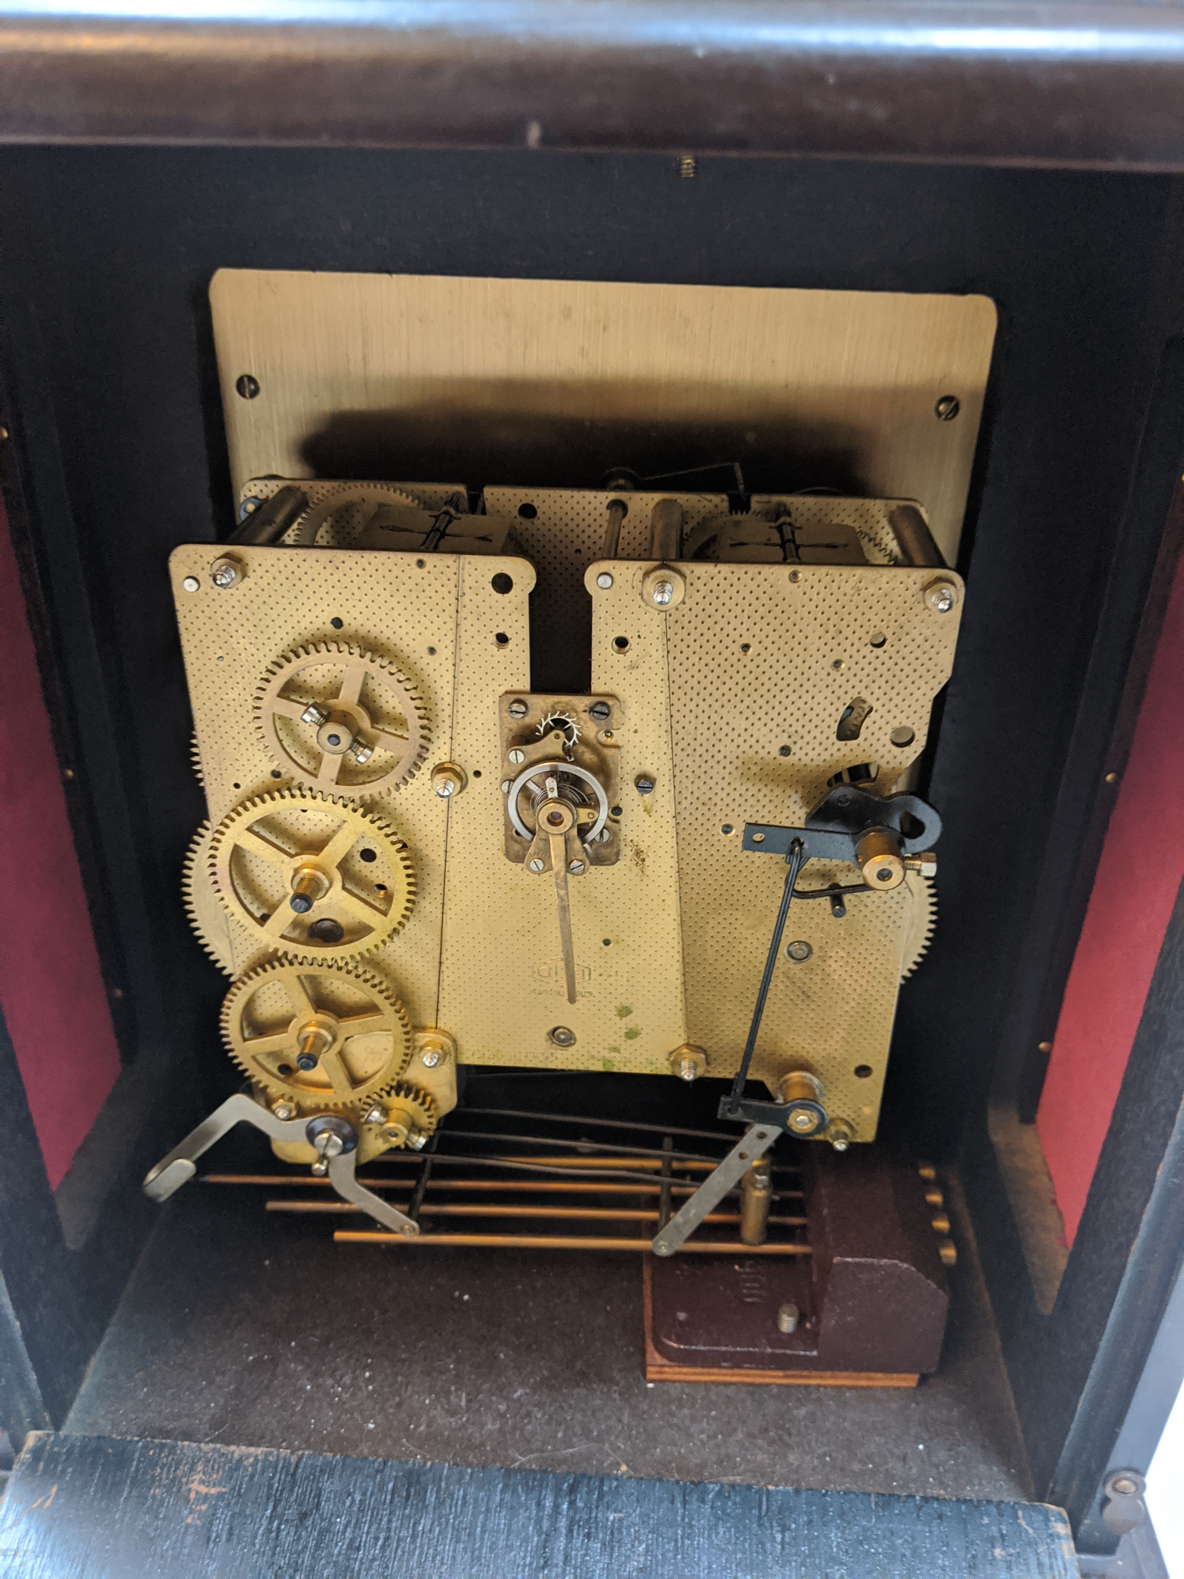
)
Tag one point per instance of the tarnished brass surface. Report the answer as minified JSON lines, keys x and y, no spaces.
{"x":733,"y":704}
{"x":753,"y":672}
{"x":854,"y":374}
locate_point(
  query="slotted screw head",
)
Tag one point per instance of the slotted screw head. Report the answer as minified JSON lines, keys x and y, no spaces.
{"x":536,"y":865}
{"x":599,"y":711}
{"x":575,"y":866}
{"x":517,"y":709}
{"x":431,"y":1057}
{"x":517,"y":756}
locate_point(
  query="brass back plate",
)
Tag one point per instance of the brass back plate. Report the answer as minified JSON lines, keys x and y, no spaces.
{"x":572,"y":367}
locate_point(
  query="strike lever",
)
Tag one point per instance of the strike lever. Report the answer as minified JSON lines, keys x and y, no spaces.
{"x":331,"y":1136}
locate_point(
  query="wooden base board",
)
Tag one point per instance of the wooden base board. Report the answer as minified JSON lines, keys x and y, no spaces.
{"x":659,"y":1369}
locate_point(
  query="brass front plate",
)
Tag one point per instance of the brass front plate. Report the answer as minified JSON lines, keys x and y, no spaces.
{"x":755,"y":660}
{"x":436,"y":617}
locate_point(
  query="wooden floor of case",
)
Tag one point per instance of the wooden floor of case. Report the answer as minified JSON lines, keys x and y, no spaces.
{"x":112,"y":1508}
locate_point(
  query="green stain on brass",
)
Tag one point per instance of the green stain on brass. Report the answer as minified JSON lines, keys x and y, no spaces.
{"x":631,"y":1033}
{"x":623,"y":1011}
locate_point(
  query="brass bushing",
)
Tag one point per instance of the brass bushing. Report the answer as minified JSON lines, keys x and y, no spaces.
{"x":878,"y":854}
{"x":802,"y":1094}
{"x":309,"y":886}
{"x":756,"y":1191}
{"x":448,"y":779}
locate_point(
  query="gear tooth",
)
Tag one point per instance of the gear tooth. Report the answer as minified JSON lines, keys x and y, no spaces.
{"x":918,"y":937}
{"x":200,"y":924}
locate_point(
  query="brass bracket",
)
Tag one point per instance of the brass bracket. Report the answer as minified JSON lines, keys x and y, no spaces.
{"x":585,"y":737}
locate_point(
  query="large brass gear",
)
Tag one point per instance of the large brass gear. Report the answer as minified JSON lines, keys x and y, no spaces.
{"x":343,"y":514}
{"x":922,"y":919}
{"x":320,"y":1037}
{"x":341,"y":720}
{"x":216,"y":931}
{"x":311,"y":877}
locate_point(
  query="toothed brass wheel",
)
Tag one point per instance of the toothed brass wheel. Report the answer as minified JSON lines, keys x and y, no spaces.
{"x":404,"y":1116}
{"x":342,"y":514}
{"x":215,"y":930}
{"x":922,"y":918}
{"x":315,"y":878}
{"x":343,"y":721}
{"x":323,"y":1037}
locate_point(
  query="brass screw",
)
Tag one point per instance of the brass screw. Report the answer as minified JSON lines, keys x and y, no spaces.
{"x":947,"y":408}
{"x":948,"y":1251}
{"x":688,"y":167}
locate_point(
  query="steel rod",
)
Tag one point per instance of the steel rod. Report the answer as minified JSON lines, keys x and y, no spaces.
{"x":627,"y":1152}
{"x":598,"y":1123}
{"x":793,"y":861}
{"x":723,"y":1247}
{"x":273,"y":1181}
{"x":558,"y":1213}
